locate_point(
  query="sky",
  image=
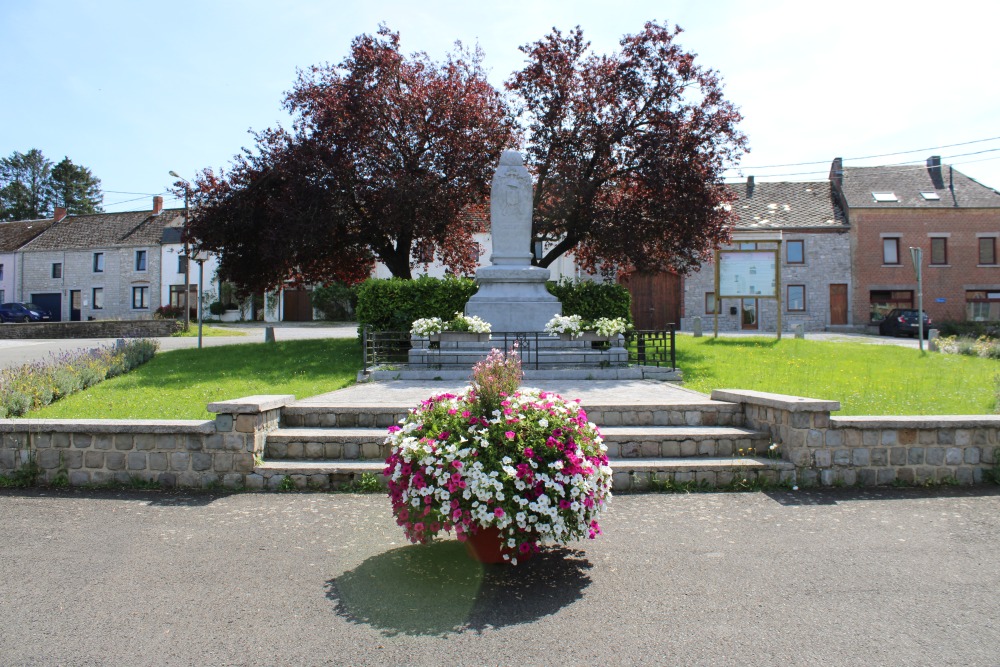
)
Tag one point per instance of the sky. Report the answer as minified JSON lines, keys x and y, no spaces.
{"x":133,"y":89}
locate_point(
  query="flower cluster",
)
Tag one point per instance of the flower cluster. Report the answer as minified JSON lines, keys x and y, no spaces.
{"x":605,"y":326}
{"x":574,"y":325}
{"x":435,"y":325}
{"x":564,"y":324}
{"x":427,"y":326}
{"x":469,"y":323}
{"x":535,"y":468}
{"x":984,"y":346}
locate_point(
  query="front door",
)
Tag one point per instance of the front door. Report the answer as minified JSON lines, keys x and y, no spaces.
{"x":656,"y":299}
{"x":838,"y":304}
{"x":748,"y":318}
{"x":74,"y":305}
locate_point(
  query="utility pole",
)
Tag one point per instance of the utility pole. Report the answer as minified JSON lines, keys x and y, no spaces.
{"x":187,"y":252}
{"x":917,"y":255}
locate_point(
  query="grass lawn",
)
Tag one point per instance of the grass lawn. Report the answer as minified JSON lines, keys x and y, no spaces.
{"x":179,"y":384}
{"x":206,"y":331}
{"x":866,"y":379}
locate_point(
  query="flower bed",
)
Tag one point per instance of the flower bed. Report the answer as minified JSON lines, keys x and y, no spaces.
{"x":37,"y":384}
{"x":526,"y":462}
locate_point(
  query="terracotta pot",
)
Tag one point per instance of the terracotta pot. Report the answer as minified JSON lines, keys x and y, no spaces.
{"x":487,"y":547}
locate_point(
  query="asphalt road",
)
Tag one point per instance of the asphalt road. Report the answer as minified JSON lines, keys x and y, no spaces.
{"x":18,"y":352}
{"x":848,"y":577}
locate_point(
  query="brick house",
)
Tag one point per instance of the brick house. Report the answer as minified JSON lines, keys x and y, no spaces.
{"x":100,"y":266}
{"x":953,"y":218}
{"x":815,"y":262}
{"x":13,"y":235}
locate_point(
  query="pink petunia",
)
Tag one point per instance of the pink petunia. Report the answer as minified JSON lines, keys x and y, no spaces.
{"x":510,"y":435}
{"x":498,"y":512}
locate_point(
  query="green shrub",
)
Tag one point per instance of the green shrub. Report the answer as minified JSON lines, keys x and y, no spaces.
{"x":393,"y":304}
{"x":37,"y":384}
{"x":337,"y":301}
{"x":217,"y":308}
{"x":968,"y":329}
{"x":592,"y":300}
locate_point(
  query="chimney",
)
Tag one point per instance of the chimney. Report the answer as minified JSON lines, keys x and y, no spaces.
{"x":837,"y":173}
{"x":749,"y":187}
{"x":934,"y":171}
{"x":59,"y":213}
{"x":157,"y":205}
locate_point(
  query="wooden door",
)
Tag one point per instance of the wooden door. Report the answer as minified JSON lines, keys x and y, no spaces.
{"x":298,"y":306}
{"x":656,"y":299}
{"x":74,"y":305}
{"x":838,"y":303}
{"x":748,"y":314}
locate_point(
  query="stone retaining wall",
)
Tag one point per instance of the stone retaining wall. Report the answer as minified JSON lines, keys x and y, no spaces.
{"x":185,"y":453}
{"x":870,"y":450}
{"x":95,"y":329}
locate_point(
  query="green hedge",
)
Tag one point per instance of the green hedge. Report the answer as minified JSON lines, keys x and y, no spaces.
{"x":393,"y":304}
{"x":592,"y":300}
{"x":968,"y":329}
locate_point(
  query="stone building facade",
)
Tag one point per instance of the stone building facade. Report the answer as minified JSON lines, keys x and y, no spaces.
{"x":102,"y":266}
{"x":955,"y":221}
{"x":815,"y":261}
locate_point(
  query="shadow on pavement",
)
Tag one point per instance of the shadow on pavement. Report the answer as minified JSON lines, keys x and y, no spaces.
{"x":437,"y":589}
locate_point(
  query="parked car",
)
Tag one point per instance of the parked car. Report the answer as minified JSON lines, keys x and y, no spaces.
{"x":903,"y":322}
{"x":23,"y":312}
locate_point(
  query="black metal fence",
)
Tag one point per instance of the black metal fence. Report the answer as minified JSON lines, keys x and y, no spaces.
{"x":644,"y":347}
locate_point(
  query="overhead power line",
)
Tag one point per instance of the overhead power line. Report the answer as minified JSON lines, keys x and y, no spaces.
{"x":886,"y":169}
{"x":864,"y":157}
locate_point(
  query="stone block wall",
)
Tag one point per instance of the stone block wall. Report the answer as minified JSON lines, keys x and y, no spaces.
{"x":97,"y":329}
{"x":870,"y":451}
{"x":174,"y":453}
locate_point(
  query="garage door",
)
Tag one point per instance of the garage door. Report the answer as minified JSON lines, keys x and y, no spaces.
{"x":49,"y":302}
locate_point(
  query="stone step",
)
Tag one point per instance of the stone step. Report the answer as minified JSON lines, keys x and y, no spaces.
{"x":629,"y":474}
{"x":647,"y":474}
{"x":706,"y":413}
{"x":622,"y":441}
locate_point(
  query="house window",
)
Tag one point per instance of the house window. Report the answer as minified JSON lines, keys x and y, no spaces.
{"x":140,"y":260}
{"x":97,"y":298}
{"x":796,"y":297}
{"x":882,"y":301}
{"x":939,"y":251}
{"x":890,"y":251}
{"x":1,"y":271}
{"x":982,"y":306}
{"x":182,"y":263}
{"x":710,"y":303}
{"x":177,"y":296}
{"x":748,"y":246}
{"x":57,"y":269}
{"x":3,"y":296}
{"x":140,"y":297}
{"x":987,"y":251}
{"x":98,"y":262}
{"x":795,"y":252}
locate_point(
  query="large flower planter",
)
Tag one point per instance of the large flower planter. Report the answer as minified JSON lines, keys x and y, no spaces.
{"x":459,"y":337}
{"x":487,"y":547}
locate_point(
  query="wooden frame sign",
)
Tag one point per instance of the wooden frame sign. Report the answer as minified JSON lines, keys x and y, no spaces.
{"x":748,"y":274}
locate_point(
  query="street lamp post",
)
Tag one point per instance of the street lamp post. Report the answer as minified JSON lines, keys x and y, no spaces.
{"x":187,"y":255}
{"x":917,"y":255}
{"x":200,"y":257}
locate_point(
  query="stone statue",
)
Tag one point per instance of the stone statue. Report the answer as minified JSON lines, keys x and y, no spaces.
{"x":512,"y":294}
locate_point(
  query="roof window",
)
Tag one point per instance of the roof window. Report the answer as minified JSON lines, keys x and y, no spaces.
{"x":884,"y":196}
{"x":930,"y":196}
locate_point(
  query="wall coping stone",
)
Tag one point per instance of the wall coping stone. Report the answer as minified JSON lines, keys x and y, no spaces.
{"x":251,"y":404}
{"x":931,"y":421}
{"x":188,"y":426}
{"x":779,"y":401}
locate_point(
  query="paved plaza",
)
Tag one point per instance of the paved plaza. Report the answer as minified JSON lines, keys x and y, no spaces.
{"x":838,"y":577}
